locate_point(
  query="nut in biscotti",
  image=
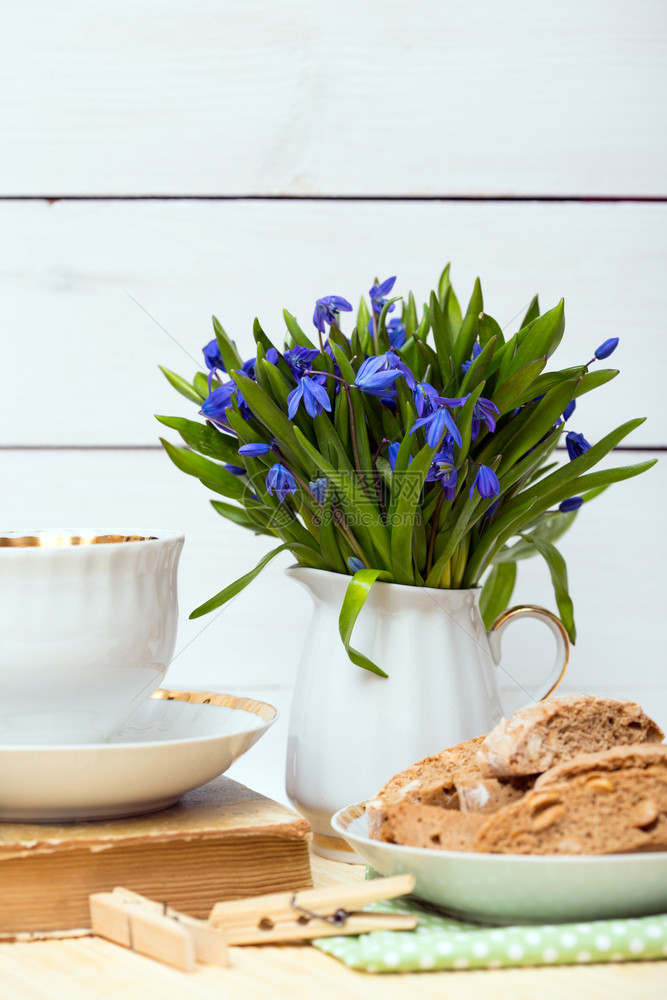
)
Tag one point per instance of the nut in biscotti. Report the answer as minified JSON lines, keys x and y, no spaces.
{"x":543,"y":735}
{"x":583,"y":816}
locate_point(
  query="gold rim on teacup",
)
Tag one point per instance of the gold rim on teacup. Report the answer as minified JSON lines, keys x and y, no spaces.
{"x":56,"y":541}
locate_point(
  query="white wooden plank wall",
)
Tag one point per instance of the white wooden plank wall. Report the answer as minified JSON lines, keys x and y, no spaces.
{"x":179,"y":138}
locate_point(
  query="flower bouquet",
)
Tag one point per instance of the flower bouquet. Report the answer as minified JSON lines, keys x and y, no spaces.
{"x":417,"y":450}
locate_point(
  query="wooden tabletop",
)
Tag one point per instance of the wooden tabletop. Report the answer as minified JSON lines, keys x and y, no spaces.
{"x":84,"y":968}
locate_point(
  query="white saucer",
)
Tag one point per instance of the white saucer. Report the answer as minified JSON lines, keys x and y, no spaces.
{"x":176,"y":741}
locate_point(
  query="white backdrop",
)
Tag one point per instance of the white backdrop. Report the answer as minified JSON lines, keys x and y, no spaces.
{"x":164,"y":160}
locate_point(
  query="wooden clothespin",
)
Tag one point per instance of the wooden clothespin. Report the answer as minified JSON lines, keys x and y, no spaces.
{"x":312,"y":913}
{"x":155,"y":930}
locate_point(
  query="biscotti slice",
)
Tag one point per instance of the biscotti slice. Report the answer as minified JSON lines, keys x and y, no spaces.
{"x":487,"y":795}
{"x":540,"y":736}
{"x":647,"y":756}
{"x":430,"y":781}
{"x":416,"y":825}
{"x":612,"y":813}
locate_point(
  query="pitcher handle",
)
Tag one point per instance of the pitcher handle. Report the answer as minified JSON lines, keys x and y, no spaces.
{"x":554,"y":624}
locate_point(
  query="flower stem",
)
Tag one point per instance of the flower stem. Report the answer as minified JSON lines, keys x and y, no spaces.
{"x":434,"y":532}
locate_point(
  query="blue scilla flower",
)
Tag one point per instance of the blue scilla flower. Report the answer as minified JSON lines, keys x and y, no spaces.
{"x":354,"y":564}
{"x":315,"y":398}
{"x":396,"y":332}
{"x":377,"y":375}
{"x":236,"y":470}
{"x":379,"y":293}
{"x":572,"y":503}
{"x":423,"y":395}
{"x":300,"y":360}
{"x":217,"y":403}
{"x":476,"y":351}
{"x":607,"y":348}
{"x":576,"y":444}
{"x":443,"y":470}
{"x":319,"y":489}
{"x":484,"y":412}
{"x":212,"y":356}
{"x":327,"y":309}
{"x":486,"y":482}
{"x":440,"y":420}
{"x":254,"y":448}
{"x":394,"y":360}
{"x":280,"y":481}
{"x":248,"y":368}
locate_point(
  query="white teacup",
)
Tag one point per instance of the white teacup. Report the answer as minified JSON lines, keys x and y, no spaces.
{"x":87,"y":628}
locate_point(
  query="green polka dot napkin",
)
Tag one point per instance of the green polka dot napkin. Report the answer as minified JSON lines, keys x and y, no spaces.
{"x":439,"y":942}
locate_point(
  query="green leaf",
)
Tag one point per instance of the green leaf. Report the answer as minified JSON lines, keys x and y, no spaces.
{"x":338,"y":338}
{"x":409,"y":314}
{"x":228,"y":352}
{"x":443,"y":285}
{"x":357,"y":591}
{"x":182,"y":386}
{"x":497,"y":592}
{"x":444,"y":345}
{"x":558,"y":572}
{"x":469,"y":331}
{"x":241,"y":517}
{"x":298,"y":336}
{"x":402,"y":532}
{"x":543,"y":417}
{"x":328,"y":542}
{"x":353,"y":499}
{"x":235,"y":588}
{"x":204,"y":438}
{"x":548,"y":527}
{"x":453,"y":535}
{"x":202,"y":468}
{"x":279,"y":385}
{"x":260,"y":336}
{"x":561,"y":483}
{"x":276,"y":422}
{"x":493,"y":538}
{"x":363,"y":317}
{"x":477,"y":371}
{"x":346,"y":369}
{"x":488,"y":329}
{"x":532,"y":312}
{"x":542,"y":337}
{"x":449,"y":303}
{"x":596,"y":480}
{"x":507,"y":396}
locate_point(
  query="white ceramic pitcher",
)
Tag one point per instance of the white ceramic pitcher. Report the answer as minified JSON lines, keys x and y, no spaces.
{"x":351,"y":730}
